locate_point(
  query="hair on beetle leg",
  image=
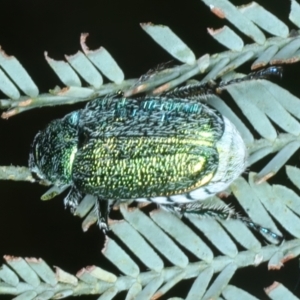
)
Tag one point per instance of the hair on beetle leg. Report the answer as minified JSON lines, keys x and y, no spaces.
{"x":221,"y":212}
{"x":73,"y":198}
{"x":101,"y":210}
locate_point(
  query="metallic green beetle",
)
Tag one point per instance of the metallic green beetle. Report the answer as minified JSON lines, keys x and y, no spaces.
{"x":172,"y":149}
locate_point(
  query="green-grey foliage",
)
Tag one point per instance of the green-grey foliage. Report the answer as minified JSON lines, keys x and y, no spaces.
{"x":159,"y":234}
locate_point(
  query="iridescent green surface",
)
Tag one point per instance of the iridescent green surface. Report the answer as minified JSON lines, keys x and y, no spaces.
{"x":54,"y":149}
{"x":143,"y":148}
{"x":119,"y":148}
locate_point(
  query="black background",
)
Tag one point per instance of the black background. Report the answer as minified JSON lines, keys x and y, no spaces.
{"x":32,"y":228}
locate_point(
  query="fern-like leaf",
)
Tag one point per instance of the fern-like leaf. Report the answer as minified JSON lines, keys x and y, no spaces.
{"x":153,"y":250}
